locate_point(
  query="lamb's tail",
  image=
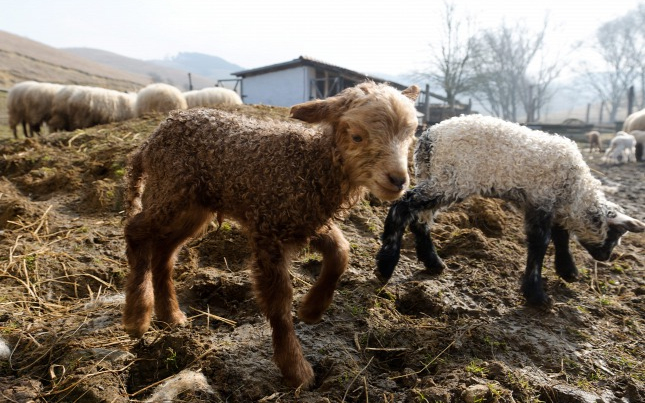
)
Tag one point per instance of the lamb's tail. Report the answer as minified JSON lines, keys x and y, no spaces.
{"x":135,"y":183}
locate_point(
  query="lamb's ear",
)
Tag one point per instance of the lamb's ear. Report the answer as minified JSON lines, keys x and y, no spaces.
{"x":626,"y":223}
{"x":411,"y":92}
{"x":313,"y":111}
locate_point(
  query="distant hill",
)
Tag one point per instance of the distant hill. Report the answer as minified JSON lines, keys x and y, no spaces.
{"x":209,"y":66}
{"x":171,"y":74}
{"x":23,"y":59}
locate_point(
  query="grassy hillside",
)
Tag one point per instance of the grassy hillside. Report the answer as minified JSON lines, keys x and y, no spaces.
{"x":174,"y":75}
{"x":23,"y":59}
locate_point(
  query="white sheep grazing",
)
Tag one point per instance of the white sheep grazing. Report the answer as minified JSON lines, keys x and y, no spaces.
{"x":76,"y":107}
{"x":17,"y":105}
{"x":639,"y":136}
{"x":40,"y":99}
{"x":159,"y":97}
{"x":543,"y":174}
{"x":209,"y":97}
{"x":622,"y":149}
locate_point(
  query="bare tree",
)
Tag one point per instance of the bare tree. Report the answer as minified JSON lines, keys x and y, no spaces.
{"x":451,"y":67}
{"x":504,"y":82}
{"x":621,"y":47}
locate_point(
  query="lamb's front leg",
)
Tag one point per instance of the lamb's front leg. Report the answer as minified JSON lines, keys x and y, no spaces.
{"x":334,"y":248}
{"x":402,"y":213}
{"x":565,"y":266}
{"x":538,"y":233}
{"x":274,"y":294}
{"x":426,"y":251}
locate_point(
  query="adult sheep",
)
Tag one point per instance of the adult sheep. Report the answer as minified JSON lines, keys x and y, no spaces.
{"x":639,"y":136}
{"x":622,"y":149}
{"x":17,"y":107}
{"x":545,"y":175}
{"x":76,"y":107}
{"x":286,"y":191}
{"x":635,"y":121}
{"x":209,"y":97}
{"x":159,"y":97}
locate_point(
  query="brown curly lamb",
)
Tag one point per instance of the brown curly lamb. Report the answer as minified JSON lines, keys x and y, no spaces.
{"x":283,"y":181}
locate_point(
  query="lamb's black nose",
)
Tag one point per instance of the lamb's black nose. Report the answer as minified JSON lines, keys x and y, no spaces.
{"x":397,"y":181}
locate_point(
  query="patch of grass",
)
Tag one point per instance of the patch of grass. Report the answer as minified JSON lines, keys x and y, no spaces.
{"x":171,"y":359}
{"x":475,"y":367}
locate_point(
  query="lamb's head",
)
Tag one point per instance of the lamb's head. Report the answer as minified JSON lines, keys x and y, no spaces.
{"x":612,"y":223}
{"x":373,"y":126}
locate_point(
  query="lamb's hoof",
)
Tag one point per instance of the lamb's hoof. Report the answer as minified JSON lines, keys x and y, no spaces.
{"x":385,"y":265}
{"x":570,"y":277}
{"x":434,"y":266}
{"x":301,"y":377}
{"x":136,"y":332}
{"x":310,"y":314}
{"x":538,"y":300}
{"x":566,"y":269}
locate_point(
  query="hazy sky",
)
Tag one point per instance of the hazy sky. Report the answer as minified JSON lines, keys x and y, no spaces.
{"x":390,"y":37}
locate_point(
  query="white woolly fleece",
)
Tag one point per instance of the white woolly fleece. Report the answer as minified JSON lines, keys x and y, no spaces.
{"x":481,"y":155}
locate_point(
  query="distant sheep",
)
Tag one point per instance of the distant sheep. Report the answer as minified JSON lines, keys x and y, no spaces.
{"x":635,"y":121}
{"x":543,"y":174}
{"x":16,"y":107}
{"x":76,"y":107}
{"x":622,"y":149}
{"x":283,"y":181}
{"x":639,"y":136}
{"x":594,"y":141}
{"x":159,"y":97}
{"x":212,"y":96}
{"x":29,"y":103}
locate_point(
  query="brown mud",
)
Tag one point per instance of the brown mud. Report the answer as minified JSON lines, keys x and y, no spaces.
{"x":463,"y":336}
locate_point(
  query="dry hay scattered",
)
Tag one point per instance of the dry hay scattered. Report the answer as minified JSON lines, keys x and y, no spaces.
{"x":463,"y":336}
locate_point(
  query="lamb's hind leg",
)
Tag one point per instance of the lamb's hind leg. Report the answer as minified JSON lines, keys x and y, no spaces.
{"x":538,"y":234}
{"x":335,"y":251}
{"x":139,"y":296}
{"x":275,"y":296}
{"x":565,"y":266}
{"x":151,"y":245}
{"x":164,"y":254}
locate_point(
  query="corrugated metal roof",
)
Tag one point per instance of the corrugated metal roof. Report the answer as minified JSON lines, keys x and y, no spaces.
{"x":309,"y":61}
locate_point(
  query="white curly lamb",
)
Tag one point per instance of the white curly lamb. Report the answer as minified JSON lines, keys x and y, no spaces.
{"x":622,"y":149}
{"x":543,"y":174}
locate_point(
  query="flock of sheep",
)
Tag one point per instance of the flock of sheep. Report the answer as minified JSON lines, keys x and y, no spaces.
{"x":627,"y":145}
{"x":70,"y":107}
{"x":296,"y":178}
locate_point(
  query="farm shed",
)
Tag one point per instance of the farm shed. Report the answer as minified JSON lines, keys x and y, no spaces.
{"x":303,"y":79}
{"x":298,"y":80}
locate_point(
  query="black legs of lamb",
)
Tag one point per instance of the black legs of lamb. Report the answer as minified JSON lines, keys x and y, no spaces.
{"x":537,"y":224}
{"x":540,"y":230}
{"x":403,"y":213}
{"x":539,"y":227}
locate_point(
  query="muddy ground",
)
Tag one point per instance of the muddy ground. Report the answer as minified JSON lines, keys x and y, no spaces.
{"x":464,"y":336}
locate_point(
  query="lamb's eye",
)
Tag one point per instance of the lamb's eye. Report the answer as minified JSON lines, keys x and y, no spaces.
{"x":357,"y":138}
